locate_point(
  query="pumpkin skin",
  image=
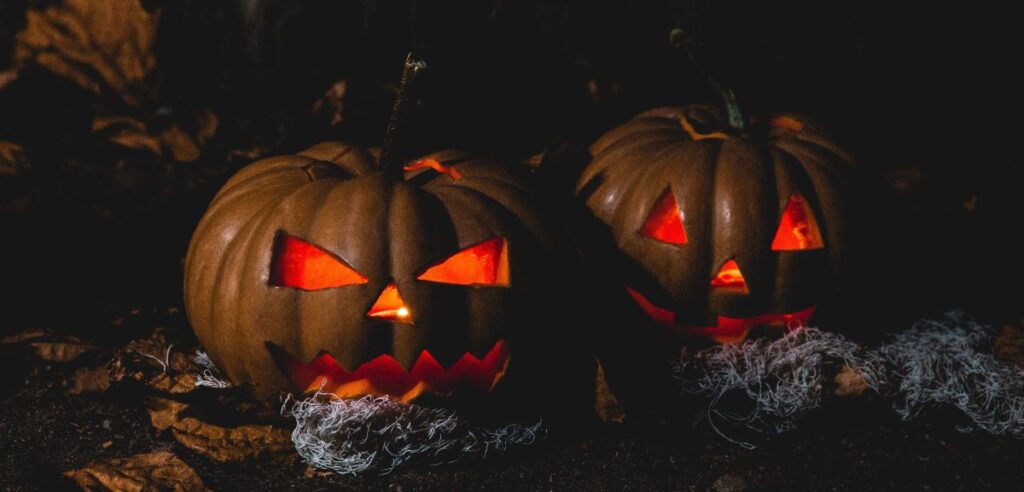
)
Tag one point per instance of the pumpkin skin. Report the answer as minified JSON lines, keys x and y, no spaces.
{"x":390,"y":233}
{"x":733,"y":196}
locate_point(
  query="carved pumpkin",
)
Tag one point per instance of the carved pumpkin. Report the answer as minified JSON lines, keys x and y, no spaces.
{"x":318,"y":271}
{"x":724,"y":230}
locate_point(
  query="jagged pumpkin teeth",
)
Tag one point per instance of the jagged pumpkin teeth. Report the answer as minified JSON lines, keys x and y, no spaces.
{"x":385,"y":376}
{"x":726,"y":329}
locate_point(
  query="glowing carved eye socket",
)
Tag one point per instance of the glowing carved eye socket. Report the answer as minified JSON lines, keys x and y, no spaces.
{"x":665,"y":222}
{"x":484,"y":263}
{"x":797,"y":230}
{"x":299,"y":264}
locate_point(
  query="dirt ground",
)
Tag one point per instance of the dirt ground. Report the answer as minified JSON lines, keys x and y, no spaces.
{"x":848,"y":445}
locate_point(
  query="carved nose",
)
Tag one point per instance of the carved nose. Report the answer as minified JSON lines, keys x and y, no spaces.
{"x":390,"y":306}
{"x":729,"y":278}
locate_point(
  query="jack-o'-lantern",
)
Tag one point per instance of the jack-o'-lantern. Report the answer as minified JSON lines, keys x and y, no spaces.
{"x":725,"y":229}
{"x":318,"y":271}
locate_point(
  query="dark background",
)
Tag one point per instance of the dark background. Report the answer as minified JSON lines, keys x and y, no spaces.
{"x":92,"y":235}
{"x":919,"y":92}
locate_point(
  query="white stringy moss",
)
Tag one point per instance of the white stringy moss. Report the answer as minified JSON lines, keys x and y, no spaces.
{"x":210,"y":377}
{"x":949,"y":362}
{"x":943,"y":362}
{"x":783,"y":378}
{"x":380,"y":434}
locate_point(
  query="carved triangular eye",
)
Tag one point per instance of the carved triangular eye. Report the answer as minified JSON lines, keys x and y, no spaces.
{"x":797,"y":230}
{"x":302,"y":265}
{"x":483,"y":263}
{"x":665,"y":222}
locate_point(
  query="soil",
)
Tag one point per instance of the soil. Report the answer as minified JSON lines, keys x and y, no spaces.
{"x":848,"y":445}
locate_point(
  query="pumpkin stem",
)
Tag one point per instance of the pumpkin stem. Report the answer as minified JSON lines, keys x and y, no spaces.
{"x":687,"y":45}
{"x":391,"y":156}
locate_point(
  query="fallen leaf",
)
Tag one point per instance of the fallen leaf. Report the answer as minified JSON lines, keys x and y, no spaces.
{"x":245,"y":442}
{"x":332,"y":103}
{"x":1009,"y":345}
{"x":8,"y":76}
{"x":163,"y":412}
{"x":60,"y":351}
{"x":207,"y":123}
{"x":101,"y":46}
{"x":314,"y":472}
{"x":24,"y":336}
{"x":173,"y":383}
{"x":143,"y":472}
{"x":182,"y":146}
{"x":90,"y":380}
{"x":126,"y":132}
{"x":12,"y":159}
{"x":606,"y":404}
{"x":850,"y":382}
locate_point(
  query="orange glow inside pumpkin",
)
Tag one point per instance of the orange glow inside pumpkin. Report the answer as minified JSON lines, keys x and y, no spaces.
{"x":435,"y":165}
{"x":383,"y":375}
{"x":730,"y":278}
{"x":302,"y":265}
{"x":727,"y":329}
{"x":656,"y":313}
{"x":389,"y":305}
{"x":484,"y":263}
{"x":797,"y":230}
{"x":665,"y":222}
{"x":788,"y":122}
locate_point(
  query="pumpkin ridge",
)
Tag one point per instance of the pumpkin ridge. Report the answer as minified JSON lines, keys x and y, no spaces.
{"x":824,"y":181}
{"x":513,"y":202}
{"x":209,"y":220}
{"x":260,"y":169}
{"x":226,"y":201}
{"x":658,"y":165}
{"x":248,"y":249}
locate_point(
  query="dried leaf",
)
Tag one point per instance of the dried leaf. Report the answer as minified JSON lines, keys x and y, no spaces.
{"x":207,"y":126}
{"x":126,"y":132}
{"x":60,"y":351}
{"x":12,"y":159}
{"x":101,"y":46}
{"x":134,"y":134}
{"x":1009,"y":345}
{"x":332,"y":103}
{"x":182,"y":146}
{"x":24,"y":336}
{"x":90,"y":380}
{"x":173,"y":384}
{"x":607,"y":404}
{"x":245,"y":442}
{"x":850,"y":382}
{"x":163,"y":412}
{"x":142,"y":472}
{"x":8,"y":76}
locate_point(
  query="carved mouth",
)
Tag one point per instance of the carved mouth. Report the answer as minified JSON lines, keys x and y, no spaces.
{"x":727,"y":329}
{"x":385,"y":376}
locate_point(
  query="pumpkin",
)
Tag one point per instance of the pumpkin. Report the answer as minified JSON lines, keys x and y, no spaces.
{"x":725,"y":230}
{"x":318,"y":271}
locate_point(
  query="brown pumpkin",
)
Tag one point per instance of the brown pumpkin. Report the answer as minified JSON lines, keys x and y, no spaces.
{"x":725,"y":230}
{"x":317,"y":271}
